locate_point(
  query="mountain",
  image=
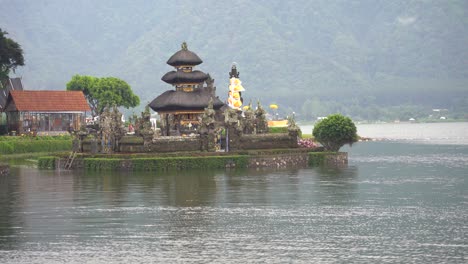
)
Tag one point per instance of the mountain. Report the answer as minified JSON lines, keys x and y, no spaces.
{"x":366,"y":58}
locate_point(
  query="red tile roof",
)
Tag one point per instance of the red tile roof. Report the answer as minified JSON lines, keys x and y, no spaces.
{"x":53,"y":101}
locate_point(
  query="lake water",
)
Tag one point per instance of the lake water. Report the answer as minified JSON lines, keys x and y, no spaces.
{"x":430,"y":133}
{"x":403,"y":200}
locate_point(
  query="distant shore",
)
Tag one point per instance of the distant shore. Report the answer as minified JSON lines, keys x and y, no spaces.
{"x":309,"y":123}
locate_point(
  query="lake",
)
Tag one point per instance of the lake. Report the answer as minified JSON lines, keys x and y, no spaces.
{"x":403,"y":200}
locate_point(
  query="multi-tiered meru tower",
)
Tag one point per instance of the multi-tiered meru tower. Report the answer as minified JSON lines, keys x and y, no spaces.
{"x":180,"y":109}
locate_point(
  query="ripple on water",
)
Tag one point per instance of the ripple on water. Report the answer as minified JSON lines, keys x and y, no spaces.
{"x":269,"y":234}
{"x":449,"y":160}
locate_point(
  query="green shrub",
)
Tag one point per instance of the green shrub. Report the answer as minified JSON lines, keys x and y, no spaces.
{"x":26,"y":146}
{"x":335,"y":131}
{"x":6,"y":148}
{"x":37,"y":138}
{"x":277,"y":130}
{"x":47,"y":162}
{"x":317,"y":158}
{"x":102,"y":164}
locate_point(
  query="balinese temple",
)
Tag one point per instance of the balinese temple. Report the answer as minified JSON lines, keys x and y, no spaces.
{"x":180,"y":109}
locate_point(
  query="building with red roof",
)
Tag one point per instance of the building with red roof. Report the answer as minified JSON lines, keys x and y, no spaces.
{"x":45,"y":111}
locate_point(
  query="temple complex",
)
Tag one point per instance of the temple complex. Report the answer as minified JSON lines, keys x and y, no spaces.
{"x":192,"y":119}
{"x":181,"y":109}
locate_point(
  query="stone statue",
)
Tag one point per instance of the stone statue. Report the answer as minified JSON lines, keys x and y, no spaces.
{"x":261,"y":122}
{"x":292,"y":124}
{"x":105,"y":130}
{"x":117,"y":126}
{"x":207,"y":121}
{"x":210,"y":85}
{"x":233,"y":128}
{"x":294,"y":131}
{"x":249,"y":120}
{"x":111,"y":129}
{"x":231,"y":118}
{"x":144,"y":128}
{"x":207,"y":128}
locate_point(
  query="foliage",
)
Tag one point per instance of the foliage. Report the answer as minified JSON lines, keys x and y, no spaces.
{"x":86,"y":84}
{"x":318,"y":158}
{"x":11,"y":56}
{"x":277,"y":129}
{"x":26,"y":145}
{"x":335,"y":131}
{"x":102,"y":164}
{"x":47,"y":162}
{"x":326,"y":158}
{"x":36,"y":138}
{"x":101,"y":92}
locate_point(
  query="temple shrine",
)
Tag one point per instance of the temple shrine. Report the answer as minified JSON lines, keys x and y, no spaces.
{"x":181,"y":109}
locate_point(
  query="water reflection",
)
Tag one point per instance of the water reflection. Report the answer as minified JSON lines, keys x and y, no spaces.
{"x":371,"y":210}
{"x":9,"y":221}
{"x":337,"y":185}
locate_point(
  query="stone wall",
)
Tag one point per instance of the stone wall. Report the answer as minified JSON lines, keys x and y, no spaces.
{"x":264,"y":141}
{"x":205,"y":142}
{"x":175,"y":144}
{"x":336,"y":159}
{"x":132,"y":144}
{"x":279,"y":161}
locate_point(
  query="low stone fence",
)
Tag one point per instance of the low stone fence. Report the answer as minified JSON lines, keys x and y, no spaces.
{"x":135,"y":144}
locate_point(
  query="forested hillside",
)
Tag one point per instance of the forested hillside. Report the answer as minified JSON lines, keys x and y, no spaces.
{"x":371,"y":59}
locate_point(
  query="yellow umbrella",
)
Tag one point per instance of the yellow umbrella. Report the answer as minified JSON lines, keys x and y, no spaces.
{"x":274,"y":106}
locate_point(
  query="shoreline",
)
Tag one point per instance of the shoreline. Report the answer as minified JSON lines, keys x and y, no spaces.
{"x":256,"y":159}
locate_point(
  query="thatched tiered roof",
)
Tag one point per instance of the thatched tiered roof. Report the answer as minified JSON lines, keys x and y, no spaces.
{"x":189,"y":94}
{"x":176,"y":77}
{"x":181,"y":101}
{"x":184,"y":57}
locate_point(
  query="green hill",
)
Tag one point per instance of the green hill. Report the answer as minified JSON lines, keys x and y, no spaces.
{"x":368,"y":59}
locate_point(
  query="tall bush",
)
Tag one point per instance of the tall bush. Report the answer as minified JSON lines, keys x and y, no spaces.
{"x":335,"y":131}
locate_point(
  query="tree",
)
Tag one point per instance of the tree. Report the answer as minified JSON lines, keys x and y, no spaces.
{"x":104,"y":91}
{"x":335,"y":131}
{"x":11,"y":56}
